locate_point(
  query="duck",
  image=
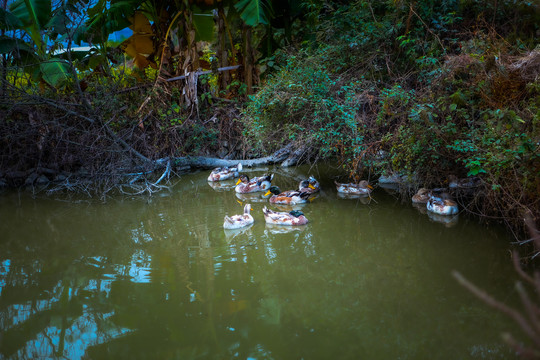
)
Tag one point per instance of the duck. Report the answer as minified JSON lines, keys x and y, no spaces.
{"x":309,"y":185}
{"x":362,"y":188}
{"x":292,"y":218}
{"x":442,"y":204}
{"x":239,"y":221}
{"x":291,"y":197}
{"x":245,"y":185}
{"x":421,"y":196}
{"x":224,"y":173}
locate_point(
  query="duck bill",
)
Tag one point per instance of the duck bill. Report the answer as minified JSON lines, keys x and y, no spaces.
{"x":238,"y":182}
{"x":268,"y":193}
{"x":311,"y":187}
{"x":370,"y":187}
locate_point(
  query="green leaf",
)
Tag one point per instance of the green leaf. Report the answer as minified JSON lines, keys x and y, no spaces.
{"x":32,"y":12}
{"x":34,"y":15}
{"x":59,"y":23}
{"x":8,"y":21}
{"x":204,"y":27}
{"x":104,"y":21}
{"x":253,"y":11}
{"x":9,"y":45}
{"x":55,"y":71}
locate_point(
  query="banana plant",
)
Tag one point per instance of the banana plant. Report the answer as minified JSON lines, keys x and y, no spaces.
{"x":36,"y":20}
{"x":151,"y":23}
{"x":34,"y":16}
{"x":254,"y":12}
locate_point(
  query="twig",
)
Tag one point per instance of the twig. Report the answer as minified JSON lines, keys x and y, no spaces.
{"x":428,"y":29}
{"x":485,"y":297}
{"x":165,"y":173}
{"x":199,"y":73}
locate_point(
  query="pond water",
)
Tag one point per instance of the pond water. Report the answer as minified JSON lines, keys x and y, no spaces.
{"x":158,"y":277}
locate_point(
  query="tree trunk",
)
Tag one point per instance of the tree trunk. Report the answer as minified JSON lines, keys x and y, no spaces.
{"x":248,"y":59}
{"x":3,"y":88}
{"x":223,"y":54}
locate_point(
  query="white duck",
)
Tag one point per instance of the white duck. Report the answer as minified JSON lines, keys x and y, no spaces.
{"x":224,"y":173}
{"x":442,"y":204}
{"x":362,"y":188}
{"x":238,"y":221}
{"x":244,"y":185}
{"x":293,"y":218}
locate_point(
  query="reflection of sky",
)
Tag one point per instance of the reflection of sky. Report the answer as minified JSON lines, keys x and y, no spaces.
{"x":72,"y":337}
{"x":140,"y":268}
{"x":80,"y":334}
{"x":83,"y":333}
{"x":4,"y":270}
{"x":18,"y":313}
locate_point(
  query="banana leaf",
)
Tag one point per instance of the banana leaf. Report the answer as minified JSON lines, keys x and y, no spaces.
{"x":204,"y":26}
{"x":55,"y":71}
{"x":8,"y":21}
{"x":34,"y":15}
{"x":10,"y":45}
{"x":32,"y":12}
{"x":253,"y":12}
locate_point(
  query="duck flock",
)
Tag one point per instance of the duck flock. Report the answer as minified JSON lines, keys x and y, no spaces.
{"x":437,"y":200}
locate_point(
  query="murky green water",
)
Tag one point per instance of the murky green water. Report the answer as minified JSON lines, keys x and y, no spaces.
{"x":159,"y":278}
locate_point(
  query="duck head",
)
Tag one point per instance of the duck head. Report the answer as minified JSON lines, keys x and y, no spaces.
{"x":365,"y":184}
{"x":310,"y":183}
{"x":296,"y":213}
{"x":273,"y":190}
{"x":243,"y":178}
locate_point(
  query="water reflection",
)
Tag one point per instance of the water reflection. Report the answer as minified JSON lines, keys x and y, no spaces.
{"x":422,"y":209}
{"x":390,"y":188}
{"x":288,"y":208}
{"x":363,"y":199}
{"x":256,"y":197}
{"x":160,"y":278}
{"x":225,"y":185}
{"x":282,"y":229}
{"x":232,"y":234}
{"x":447,"y":220}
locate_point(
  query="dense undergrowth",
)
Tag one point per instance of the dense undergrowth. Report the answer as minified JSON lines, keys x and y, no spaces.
{"x":428,"y":90}
{"x":425,"y":89}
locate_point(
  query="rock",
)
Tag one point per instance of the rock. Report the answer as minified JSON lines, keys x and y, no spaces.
{"x":391,"y":179}
{"x":42,"y":180}
{"x":60,"y":178}
{"x":31,"y":179}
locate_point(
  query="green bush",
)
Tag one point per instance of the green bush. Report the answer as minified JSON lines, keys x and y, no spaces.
{"x":305,"y":104}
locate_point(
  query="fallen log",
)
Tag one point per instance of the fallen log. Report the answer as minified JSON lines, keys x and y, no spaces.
{"x":285,"y":155}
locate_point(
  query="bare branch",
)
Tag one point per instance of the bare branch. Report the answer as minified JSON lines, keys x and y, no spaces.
{"x":485,"y":297}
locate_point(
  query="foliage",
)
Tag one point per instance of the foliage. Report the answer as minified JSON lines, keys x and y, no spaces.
{"x":389,"y":86}
{"x":408,"y":81}
{"x":253,"y":12}
{"x":303,"y":104}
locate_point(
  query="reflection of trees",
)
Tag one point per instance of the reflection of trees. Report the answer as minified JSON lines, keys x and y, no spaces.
{"x":160,"y":279}
{"x":364,"y":291}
